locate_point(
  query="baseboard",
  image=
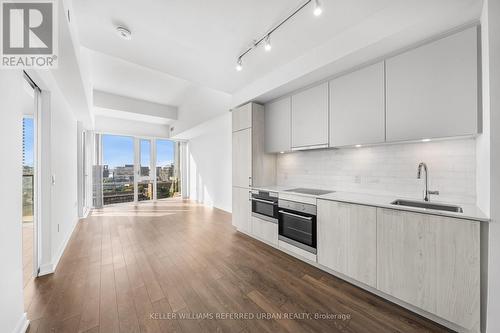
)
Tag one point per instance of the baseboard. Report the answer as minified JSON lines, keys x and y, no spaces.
{"x":46,"y":269}
{"x":51,"y":267}
{"x":22,"y":324}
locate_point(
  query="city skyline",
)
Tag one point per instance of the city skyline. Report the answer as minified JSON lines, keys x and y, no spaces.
{"x":119,"y":150}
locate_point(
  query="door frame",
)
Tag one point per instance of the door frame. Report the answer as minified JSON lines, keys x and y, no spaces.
{"x":184,"y":167}
{"x":137,"y":166}
{"x":37,"y":181}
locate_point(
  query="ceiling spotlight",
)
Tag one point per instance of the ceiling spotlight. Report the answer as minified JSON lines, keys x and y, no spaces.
{"x":124,"y":33}
{"x":317,"y":8}
{"x":267,"y":43}
{"x":239,"y":65}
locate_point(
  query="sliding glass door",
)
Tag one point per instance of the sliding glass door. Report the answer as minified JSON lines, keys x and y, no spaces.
{"x":167,"y":169}
{"x":118,"y":169}
{"x":137,"y":169}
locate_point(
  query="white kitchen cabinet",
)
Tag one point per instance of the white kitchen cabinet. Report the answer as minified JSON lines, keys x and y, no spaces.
{"x":242,"y":117}
{"x":310,"y":118}
{"x":431,"y":262}
{"x":347,"y":239}
{"x":357,"y":107}
{"x":432,"y":90}
{"x":278,"y":126}
{"x":241,"y":215}
{"x":265,"y":230}
{"x":242,"y":158}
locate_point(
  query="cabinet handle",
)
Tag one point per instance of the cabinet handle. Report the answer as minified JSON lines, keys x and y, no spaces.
{"x":295,"y":215}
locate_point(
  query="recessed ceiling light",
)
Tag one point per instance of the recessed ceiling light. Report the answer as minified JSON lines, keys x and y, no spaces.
{"x":357,"y":146}
{"x":426,"y":140}
{"x":124,"y":33}
{"x":282,"y":152}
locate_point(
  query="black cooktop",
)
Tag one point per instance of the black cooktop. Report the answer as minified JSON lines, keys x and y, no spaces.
{"x":310,"y":191}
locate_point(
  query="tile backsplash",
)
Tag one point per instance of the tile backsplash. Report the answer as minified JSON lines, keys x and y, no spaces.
{"x":387,"y":169}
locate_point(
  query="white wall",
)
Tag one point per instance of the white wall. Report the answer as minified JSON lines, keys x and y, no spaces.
{"x":492,"y":11}
{"x":200,"y":105}
{"x":11,"y":288}
{"x":387,"y":169}
{"x":209,"y":157}
{"x":130,"y":127}
{"x":64,"y":192}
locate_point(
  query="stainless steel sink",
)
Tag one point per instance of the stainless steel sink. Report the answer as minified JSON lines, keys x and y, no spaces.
{"x":428,"y":205}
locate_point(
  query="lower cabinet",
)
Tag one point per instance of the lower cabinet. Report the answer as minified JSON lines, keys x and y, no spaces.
{"x":241,"y":209}
{"x":347,"y":240}
{"x":431,"y":262}
{"x":265,"y":230}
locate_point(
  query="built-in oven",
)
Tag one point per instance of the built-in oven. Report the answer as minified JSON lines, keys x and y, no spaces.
{"x":297,"y":224}
{"x":265,"y":205}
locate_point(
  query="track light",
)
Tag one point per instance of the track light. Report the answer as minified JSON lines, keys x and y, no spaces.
{"x":265,"y":40}
{"x":239,"y":65}
{"x":267,"y":43}
{"x":317,"y":8}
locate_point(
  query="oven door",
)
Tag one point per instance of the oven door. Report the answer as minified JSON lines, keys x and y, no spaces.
{"x":298,"y":229}
{"x":265,"y":209}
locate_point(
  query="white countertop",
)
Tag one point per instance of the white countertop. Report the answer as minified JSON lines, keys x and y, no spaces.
{"x":470,"y":212}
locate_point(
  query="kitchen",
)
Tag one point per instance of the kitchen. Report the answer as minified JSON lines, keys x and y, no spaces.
{"x":370,"y":175}
{"x":253,"y":166}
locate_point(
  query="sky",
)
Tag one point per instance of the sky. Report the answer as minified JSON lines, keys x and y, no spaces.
{"x":119,"y":150}
{"x":28,"y":141}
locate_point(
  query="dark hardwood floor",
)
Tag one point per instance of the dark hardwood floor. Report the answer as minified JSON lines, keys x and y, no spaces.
{"x":175,"y":266}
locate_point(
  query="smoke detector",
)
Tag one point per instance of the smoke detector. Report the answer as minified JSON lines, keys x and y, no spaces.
{"x":124,"y":33}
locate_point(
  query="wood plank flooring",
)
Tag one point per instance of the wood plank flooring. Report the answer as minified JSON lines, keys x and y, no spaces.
{"x":176,"y":266}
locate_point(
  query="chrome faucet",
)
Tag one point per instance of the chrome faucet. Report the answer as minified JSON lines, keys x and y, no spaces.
{"x":427,"y":193}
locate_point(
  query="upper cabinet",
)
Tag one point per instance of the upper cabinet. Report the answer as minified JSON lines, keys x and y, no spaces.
{"x":432,"y":91}
{"x":310,"y":118}
{"x":357,"y":109}
{"x":242,"y":117}
{"x":277,"y":126}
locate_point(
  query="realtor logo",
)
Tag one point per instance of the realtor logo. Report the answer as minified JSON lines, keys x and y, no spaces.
{"x":29,"y":38}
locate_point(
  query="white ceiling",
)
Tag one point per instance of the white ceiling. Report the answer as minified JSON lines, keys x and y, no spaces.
{"x":199,"y":40}
{"x":179,"y":46}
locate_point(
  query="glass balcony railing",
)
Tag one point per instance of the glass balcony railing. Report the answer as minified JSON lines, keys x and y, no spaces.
{"x":28,"y":195}
{"x":117,"y":192}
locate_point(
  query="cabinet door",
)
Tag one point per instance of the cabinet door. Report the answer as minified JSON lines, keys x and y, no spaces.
{"x":332,"y":235}
{"x":347,"y":239}
{"x":431,"y":262}
{"x":241,"y":209}
{"x":277,"y":126}
{"x":432,"y":91}
{"x":265,"y":230}
{"x":310,"y":117}
{"x":242,"y":117}
{"x":236,"y":211}
{"x":242,"y":158}
{"x":362,"y":244}
{"x":357,"y":107}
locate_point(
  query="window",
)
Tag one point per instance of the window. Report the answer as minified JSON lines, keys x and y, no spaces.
{"x":167,"y":169}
